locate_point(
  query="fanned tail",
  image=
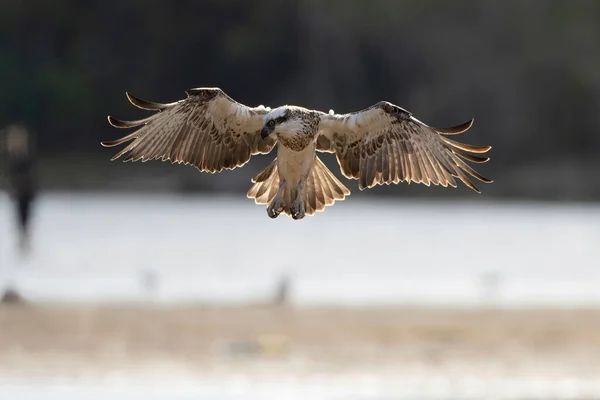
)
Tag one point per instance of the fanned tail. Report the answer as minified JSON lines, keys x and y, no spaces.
{"x":321,"y":188}
{"x":266,"y":184}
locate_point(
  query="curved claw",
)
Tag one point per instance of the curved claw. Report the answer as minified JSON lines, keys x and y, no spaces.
{"x":297,"y":210}
{"x":274,"y":209}
{"x":272,"y":213}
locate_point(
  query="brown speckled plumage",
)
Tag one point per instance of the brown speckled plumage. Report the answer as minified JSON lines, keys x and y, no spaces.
{"x":381,"y":144}
{"x":306,"y":134}
{"x":385,"y":144}
{"x":188,"y":132}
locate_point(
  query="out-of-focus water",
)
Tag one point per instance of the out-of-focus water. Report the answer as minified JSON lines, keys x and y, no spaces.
{"x":359,"y":252}
{"x":351,"y":387}
{"x":91,"y":247}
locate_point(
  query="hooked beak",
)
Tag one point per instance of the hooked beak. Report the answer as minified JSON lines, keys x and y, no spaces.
{"x":265,"y":132}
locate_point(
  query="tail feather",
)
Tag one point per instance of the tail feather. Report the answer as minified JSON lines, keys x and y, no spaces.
{"x":309,"y":194}
{"x":265,"y":185}
{"x":266,"y":173}
{"x":321,"y":188}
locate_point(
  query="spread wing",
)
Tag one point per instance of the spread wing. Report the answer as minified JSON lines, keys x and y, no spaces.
{"x":386,"y":144}
{"x":207,"y":129}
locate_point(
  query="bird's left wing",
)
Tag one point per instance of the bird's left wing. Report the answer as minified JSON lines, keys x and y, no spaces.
{"x":386,"y":144}
{"x":207,"y":129}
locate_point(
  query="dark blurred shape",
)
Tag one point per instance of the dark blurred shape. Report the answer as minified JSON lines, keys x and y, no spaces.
{"x":21,"y":178}
{"x":263,"y":346}
{"x":11,"y":297}
{"x":282,"y":293}
{"x":149,"y":282}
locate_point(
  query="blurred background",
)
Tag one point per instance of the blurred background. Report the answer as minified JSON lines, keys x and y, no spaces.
{"x":157,"y":281}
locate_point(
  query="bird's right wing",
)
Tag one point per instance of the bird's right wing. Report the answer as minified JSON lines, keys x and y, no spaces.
{"x":207,"y":129}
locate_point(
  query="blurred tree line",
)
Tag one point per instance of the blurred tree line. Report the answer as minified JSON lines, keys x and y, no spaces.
{"x":528,"y":71}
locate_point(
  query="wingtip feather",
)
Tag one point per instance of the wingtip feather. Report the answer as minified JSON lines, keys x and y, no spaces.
{"x":108,"y":143}
{"x":143,"y":104}
{"x":114,"y":122}
{"x":117,"y":123}
{"x":466,"y":147}
{"x":455,"y":130}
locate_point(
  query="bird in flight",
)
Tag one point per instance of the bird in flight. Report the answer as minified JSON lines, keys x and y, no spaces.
{"x":381,"y":144}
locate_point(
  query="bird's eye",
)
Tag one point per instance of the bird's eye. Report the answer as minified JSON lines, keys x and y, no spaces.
{"x":271,"y":123}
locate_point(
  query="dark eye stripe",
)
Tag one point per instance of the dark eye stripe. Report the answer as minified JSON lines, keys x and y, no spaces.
{"x":277,"y":120}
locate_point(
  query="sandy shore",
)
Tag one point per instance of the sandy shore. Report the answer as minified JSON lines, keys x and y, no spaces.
{"x":66,"y":339}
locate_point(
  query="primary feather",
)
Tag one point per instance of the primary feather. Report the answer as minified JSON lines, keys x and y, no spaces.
{"x":207,"y":129}
{"x":381,"y":144}
{"x":385,"y":144}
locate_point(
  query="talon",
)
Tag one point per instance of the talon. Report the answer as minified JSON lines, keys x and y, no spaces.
{"x":297,"y":210}
{"x":272,"y":213}
{"x":274,"y":209}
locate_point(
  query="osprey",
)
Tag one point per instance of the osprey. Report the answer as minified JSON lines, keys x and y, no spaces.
{"x":381,"y":144}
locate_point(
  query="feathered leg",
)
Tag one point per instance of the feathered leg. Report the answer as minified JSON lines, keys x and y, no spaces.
{"x":276,"y":206}
{"x":297,"y":208}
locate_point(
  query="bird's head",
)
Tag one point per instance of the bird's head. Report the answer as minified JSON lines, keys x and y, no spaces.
{"x":284,"y":120}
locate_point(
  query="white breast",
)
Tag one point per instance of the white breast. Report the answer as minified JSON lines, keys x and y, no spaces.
{"x":294,"y":165}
